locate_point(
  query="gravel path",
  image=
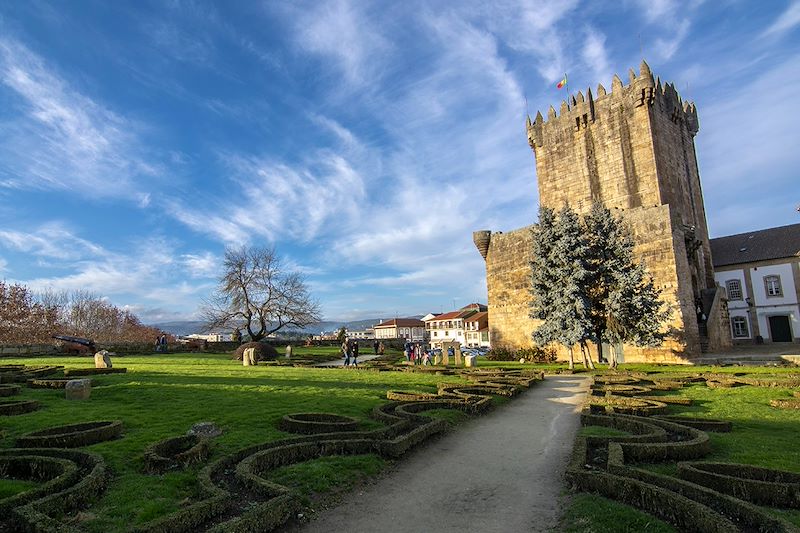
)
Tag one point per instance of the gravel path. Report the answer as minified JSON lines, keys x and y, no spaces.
{"x":502,"y":472}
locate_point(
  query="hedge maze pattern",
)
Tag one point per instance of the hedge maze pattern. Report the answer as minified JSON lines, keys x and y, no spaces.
{"x":707,"y":497}
{"x":235,"y":494}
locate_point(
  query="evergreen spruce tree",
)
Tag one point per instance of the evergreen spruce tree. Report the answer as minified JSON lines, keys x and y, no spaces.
{"x":559,"y":279}
{"x":625,"y":305}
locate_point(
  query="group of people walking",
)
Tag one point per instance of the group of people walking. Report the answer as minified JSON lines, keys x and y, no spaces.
{"x":350,"y":352}
{"x":416,"y":353}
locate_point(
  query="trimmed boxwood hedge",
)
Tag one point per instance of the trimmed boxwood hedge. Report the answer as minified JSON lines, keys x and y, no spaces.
{"x":746,"y":515}
{"x":693,"y":444}
{"x":7,"y":389}
{"x":175,"y":452}
{"x":73,"y":488}
{"x":621,"y":390}
{"x":93,"y":371}
{"x":22,"y":373}
{"x":17,"y":407}
{"x":239,"y":476}
{"x":310,"y":423}
{"x":630,"y":406}
{"x":641,"y":429}
{"x":72,"y":436}
{"x":786,"y":403}
{"x":686,"y":505}
{"x":764,"y":486}
{"x":49,"y":472}
{"x":48,"y":383}
{"x":671,"y":400}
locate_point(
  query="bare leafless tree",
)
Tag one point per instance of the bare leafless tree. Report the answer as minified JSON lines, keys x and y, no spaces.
{"x":23,"y":319}
{"x":258,"y":293}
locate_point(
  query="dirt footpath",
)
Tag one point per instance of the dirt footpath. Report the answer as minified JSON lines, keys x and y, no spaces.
{"x":502,"y":472}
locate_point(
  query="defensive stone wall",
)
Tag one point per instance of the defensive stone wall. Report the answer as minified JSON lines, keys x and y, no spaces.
{"x":508,"y":278}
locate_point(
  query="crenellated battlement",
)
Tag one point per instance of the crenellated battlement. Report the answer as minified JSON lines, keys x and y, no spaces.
{"x":579,"y":111}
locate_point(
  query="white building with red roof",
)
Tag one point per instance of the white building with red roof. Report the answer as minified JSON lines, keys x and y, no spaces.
{"x":411,"y":329}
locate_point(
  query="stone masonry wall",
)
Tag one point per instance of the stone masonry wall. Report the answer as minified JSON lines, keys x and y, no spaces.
{"x":508,"y":282}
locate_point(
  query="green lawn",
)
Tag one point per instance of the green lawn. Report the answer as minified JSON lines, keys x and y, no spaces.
{"x":163,"y":395}
{"x":761,"y":435}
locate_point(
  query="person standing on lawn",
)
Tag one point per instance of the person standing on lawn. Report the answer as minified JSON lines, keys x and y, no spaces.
{"x":346,"y":352}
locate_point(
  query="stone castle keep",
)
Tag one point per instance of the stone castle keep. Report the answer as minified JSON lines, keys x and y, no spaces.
{"x":631,"y":149}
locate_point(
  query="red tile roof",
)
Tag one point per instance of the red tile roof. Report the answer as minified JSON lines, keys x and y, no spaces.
{"x":447,"y":316}
{"x":401,"y":322}
{"x":477,"y":317}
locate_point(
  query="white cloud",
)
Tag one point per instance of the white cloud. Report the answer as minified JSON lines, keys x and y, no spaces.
{"x":341,"y":32}
{"x":63,"y":139}
{"x":594,"y":54}
{"x":204,"y":265}
{"x":785,"y":22}
{"x":141,"y":273}
{"x":53,"y":240}
{"x":667,"y":47}
{"x":533,"y":28}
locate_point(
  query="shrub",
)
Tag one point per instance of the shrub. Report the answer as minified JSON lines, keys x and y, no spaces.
{"x":72,"y":436}
{"x":264,"y":351}
{"x":535,"y":354}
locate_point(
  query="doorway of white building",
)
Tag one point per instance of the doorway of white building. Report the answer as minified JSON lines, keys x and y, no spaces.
{"x":779,"y":329}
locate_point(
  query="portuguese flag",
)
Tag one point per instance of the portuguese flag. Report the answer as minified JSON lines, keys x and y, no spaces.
{"x":562,"y":82}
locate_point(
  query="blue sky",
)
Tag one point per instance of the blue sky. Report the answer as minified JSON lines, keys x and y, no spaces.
{"x":364,"y":140}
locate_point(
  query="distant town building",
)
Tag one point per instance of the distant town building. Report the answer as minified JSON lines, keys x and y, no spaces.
{"x":476,"y":330}
{"x":368,"y":333}
{"x":451,"y":327}
{"x":412,"y":329}
{"x":760,"y":271}
{"x":211,"y":337}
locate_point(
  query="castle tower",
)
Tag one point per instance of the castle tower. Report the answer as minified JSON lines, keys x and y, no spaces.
{"x":631,"y":149}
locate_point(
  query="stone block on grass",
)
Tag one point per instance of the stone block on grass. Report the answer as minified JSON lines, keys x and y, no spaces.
{"x":78,"y":389}
{"x":102,"y":359}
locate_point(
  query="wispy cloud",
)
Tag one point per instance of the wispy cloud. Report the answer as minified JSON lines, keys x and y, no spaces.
{"x":121,"y":275}
{"x":594,"y":54}
{"x":785,"y":22}
{"x":61,"y":139}
{"x":340,"y":31}
{"x":204,"y":265}
{"x":532,"y":28}
{"x":673,"y":20}
{"x":50,"y":240}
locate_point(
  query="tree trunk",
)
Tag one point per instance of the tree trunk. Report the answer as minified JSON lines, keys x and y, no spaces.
{"x":587,"y":356}
{"x":571,"y":359}
{"x":599,"y":349}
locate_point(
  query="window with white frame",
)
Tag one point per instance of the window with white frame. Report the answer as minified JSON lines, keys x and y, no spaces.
{"x":739,"y":325}
{"x":773,"y":285}
{"x":734,"y":287}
